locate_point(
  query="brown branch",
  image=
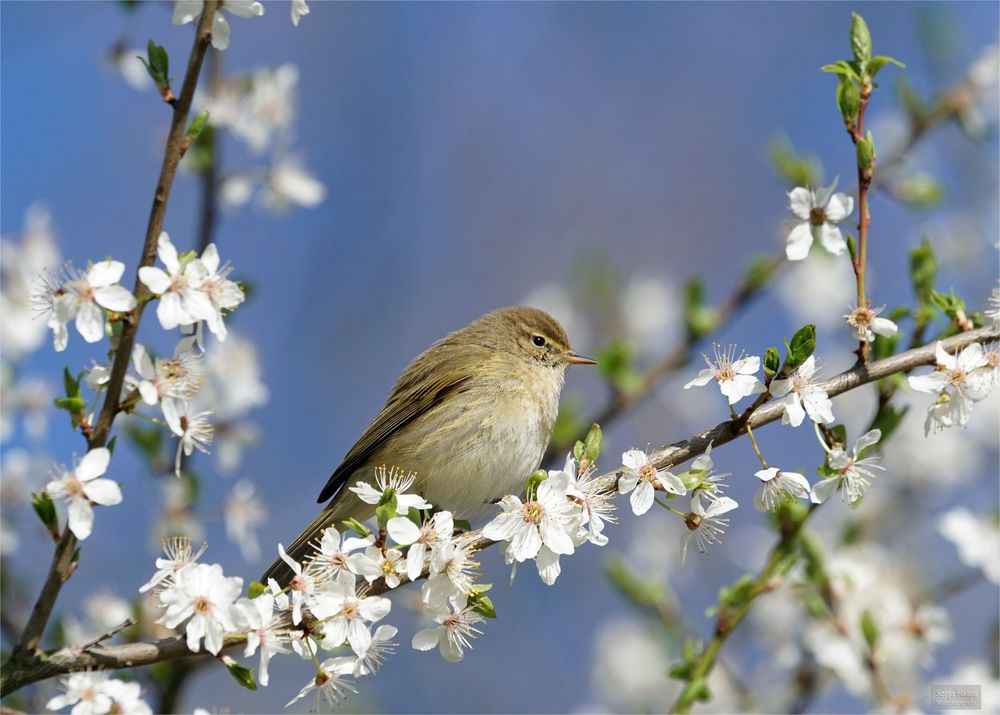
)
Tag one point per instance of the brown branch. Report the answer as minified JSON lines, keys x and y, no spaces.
{"x":69,"y":660}
{"x":62,"y":562}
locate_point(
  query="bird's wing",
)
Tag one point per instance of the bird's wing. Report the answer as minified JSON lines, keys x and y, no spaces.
{"x":442,"y":370}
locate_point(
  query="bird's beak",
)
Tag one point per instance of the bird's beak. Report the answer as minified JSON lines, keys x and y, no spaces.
{"x":573,"y":359}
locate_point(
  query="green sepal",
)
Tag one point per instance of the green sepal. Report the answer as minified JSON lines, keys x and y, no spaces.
{"x":255,"y":589}
{"x":869,"y":629}
{"x":801,"y":347}
{"x":46,"y":511}
{"x":197,"y":125}
{"x":480,"y":602}
{"x":848,"y":100}
{"x":592,"y":443}
{"x":157,"y":64}
{"x":357,"y":527}
{"x":73,"y":405}
{"x":71,"y":384}
{"x":536,"y":478}
{"x":241,"y":674}
{"x":111,"y":444}
{"x":772,"y":363}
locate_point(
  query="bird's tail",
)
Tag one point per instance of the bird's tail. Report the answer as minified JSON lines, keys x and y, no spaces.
{"x":345,"y":506}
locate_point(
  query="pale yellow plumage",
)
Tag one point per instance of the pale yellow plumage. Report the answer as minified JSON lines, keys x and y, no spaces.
{"x":471,"y":415}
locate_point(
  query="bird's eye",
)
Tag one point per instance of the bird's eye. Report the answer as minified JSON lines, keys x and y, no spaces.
{"x":538,"y":340}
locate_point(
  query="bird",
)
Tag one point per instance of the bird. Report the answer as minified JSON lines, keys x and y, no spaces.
{"x":470,"y":418}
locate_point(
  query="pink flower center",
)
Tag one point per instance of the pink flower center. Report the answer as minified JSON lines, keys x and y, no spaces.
{"x":349,"y":610}
{"x":861,"y":317}
{"x":202,"y":606}
{"x":817,"y":217}
{"x":532,"y":512}
{"x":74,"y":487}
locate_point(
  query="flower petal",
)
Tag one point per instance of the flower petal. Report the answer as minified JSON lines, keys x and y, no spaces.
{"x":798,"y":243}
{"x":94,"y":464}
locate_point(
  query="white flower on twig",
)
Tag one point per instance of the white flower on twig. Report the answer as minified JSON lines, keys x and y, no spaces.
{"x":80,"y":296}
{"x":853,"y":473}
{"x":706,"y":524}
{"x":776,"y":485}
{"x":737,"y":376}
{"x":806,"y":396}
{"x":958,"y":381}
{"x":203,"y":593}
{"x":867,"y":324}
{"x":83,"y":488}
{"x":820,"y":211}
{"x":452,"y":637}
{"x":186,"y":11}
{"x":642,"y":479}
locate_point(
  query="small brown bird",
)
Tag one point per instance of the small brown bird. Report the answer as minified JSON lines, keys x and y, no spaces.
{"x":471,"y":416}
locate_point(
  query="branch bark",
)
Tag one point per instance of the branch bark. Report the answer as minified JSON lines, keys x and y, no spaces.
{"x":70,"y":660}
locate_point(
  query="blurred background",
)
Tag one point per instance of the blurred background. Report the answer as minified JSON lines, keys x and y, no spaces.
{"x":424,"y":163}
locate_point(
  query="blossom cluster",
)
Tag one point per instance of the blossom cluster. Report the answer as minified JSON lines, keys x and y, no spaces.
{"x":957,"y":382}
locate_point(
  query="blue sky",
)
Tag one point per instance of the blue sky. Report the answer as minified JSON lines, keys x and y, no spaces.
{"x":471,"y":152}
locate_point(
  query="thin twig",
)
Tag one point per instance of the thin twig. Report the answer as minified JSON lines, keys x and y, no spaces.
{"x":62,"y":561}
{"x":131,"y":655}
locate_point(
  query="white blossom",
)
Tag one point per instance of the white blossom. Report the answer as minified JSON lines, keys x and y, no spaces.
{"x":706,"y":524}
{"x":375,"y":563}
{"x":179,"y":377}
{"x":303,"y":584}
{"x":186,"y":11}
{"x":451,"y":572}
{"x":642,"y":479}
{"x":854,"y":474}
{"x":398,"y":482}
{"x":223,"y":295}
{"x":299,"y":8}
{"x":267,"y":630}
{"x":179,"y":555}
{"x":776,"y":485}
{"x":83,"y":488}
{"x":126,"y":697}
{"x":867,"y":324}
{"x":334,"y":556}
{"x":452,"y":637}
{"x":79,"y":297}
{"x":819,"y":211}
{"x":206,"y":596}
{"x":404,"y":532}
{"x":549,"y":519}
{"x":976,"y":538}
{"x":737,"y":377}
{"x":244,"y":513}
{"x":806,"y":396}
{"x":193,"y":428}
{"x":87,"y":692}
{"x":330,"y":682}
{"x":290,"y":183}
{"x":381,"y":646}
{"x":594,"y":500}
{"x":179,"y":287}
{"x":346,"y":614}
{"x":958,"y":381}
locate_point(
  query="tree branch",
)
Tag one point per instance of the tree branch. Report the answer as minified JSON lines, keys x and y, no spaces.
{"x":70,"y":660}
{"x":62,"y":561}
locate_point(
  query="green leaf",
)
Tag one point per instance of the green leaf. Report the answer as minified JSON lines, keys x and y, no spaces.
{"x":852,"y":246}
{"x":73,"y":405}
{"x":875,"y":64}
{"x":869,"y":629}
{"x":46,"y":511}
{"x":462,"y":525}
{"x":795,"y":168}
{"x":839,"y":433}
{"x":923,"y":270}
{"x":759,"y":271}
{"x":568,"y":423}
{"x":848,"y":100}
{"x":197,"y":125}
{"x":772,"y":363}
{"x":699,"y":317}
{"x":157,"y":64}
{"x":256,"y":588}
{"x":842,"y":68}
{"x":861,"y":40}
{"x":241,"y":674}
{"x":920,"y":191}
{"x":111,"y":444}
{"x":802,"y":345}
{"x":147,"y":439}
{"x":592,"y":443}
{"x":385,"y":512}
{"x":616,"y":364}
{"x":481,"y":603}
{"x":949,"y":304}
{"x":413,"y":514}
{"x":71,"y":384}
{"x":887,"y":420}
{"x":536,"y":478}
{"x":357,"y":527}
